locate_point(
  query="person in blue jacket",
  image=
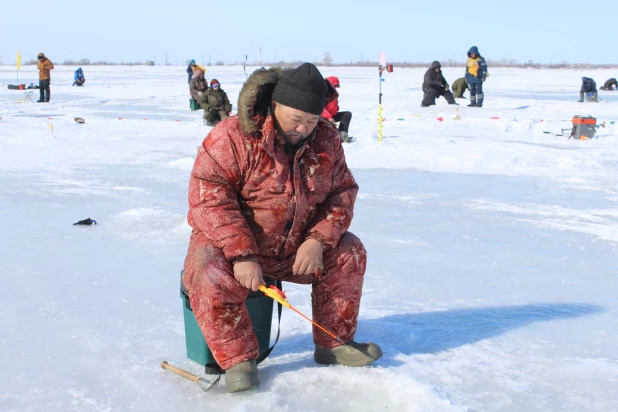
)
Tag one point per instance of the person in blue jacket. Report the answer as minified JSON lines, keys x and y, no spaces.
{"x":476,"y":74}
{"x":78,"y":77}
{"x":589,"y":89}
{"x":191,"y":69}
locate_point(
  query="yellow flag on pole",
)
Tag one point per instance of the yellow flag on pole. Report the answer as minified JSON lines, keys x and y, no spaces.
{"x":18,"y":61}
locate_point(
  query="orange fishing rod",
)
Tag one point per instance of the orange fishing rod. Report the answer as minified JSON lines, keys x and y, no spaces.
{"x":278,"y":295}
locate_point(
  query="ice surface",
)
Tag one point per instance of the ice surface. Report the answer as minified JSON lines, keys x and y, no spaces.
{"x":492,"y":277}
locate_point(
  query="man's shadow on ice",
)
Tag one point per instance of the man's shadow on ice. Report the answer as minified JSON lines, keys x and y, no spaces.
{"x":433,"y":332}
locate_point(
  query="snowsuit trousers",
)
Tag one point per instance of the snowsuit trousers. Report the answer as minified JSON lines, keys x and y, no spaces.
{"x":215,"y":116}
{"x":44,"y":90}
{"x":589,"y":97}
{"x":476,"y":94}
{"x":218,"y":299}
{"x":344,"y":119}
{"x":429,"y":99}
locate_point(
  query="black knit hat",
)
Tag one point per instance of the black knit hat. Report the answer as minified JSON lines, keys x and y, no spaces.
{"x":302,"y":88}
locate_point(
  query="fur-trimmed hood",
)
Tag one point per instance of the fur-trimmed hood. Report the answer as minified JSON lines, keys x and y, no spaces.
{"x":255,"y":98}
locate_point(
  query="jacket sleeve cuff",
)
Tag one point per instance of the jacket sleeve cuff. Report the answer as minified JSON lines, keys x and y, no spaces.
{"x":242,"y":258}
{"x":320,"y":238}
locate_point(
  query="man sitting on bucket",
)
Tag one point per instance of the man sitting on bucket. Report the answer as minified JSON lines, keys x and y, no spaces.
{"x":271,"y":195}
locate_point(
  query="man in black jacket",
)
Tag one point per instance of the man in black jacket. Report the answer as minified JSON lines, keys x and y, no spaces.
{"x":589,"y":90}
{"x":435,"y":85}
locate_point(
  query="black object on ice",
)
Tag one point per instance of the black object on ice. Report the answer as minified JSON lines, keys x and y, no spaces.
{"x":86,"y":222}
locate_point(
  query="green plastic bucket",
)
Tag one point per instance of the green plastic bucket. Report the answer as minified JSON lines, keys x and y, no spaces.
{"x":194,"y":105}
{"x":260,"y":309}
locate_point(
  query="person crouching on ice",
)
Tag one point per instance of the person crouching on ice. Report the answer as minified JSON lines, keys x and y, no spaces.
{"x":435,"y":85}
{"x":331,"y":111}
{"x":271,"y":195}
{"x":610,"y":84}
{"x":459,"y":88}
{"x":588,"y":90}
{"x":215,"y":103}
{"x":78,"y":77}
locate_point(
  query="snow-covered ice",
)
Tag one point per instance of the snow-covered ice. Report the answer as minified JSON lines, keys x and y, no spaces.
{"x":492,"y":282}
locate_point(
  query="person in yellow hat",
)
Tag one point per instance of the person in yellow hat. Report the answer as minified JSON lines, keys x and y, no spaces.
{"x":198,"y":84}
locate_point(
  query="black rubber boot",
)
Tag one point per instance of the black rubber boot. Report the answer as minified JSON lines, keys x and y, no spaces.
{"x":345,"y":137}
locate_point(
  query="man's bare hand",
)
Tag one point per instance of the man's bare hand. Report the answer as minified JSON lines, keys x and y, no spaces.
{"x":249,"y":273}
{"x":308,"y":258}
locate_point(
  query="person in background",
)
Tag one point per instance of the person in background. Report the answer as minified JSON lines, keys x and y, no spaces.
{"x":435,"y":85}
{"x":589,"y":90}
{"x":215,"y":103}
{"x":45,"y":66}
{"x":198,"y":84}
{"x":331,"y":111}
{"x":459,"y":88}
{"x":191,"y":69}
{"x":476,"y":74}
{"x":78,"y":77}
{"x":610,"y":84}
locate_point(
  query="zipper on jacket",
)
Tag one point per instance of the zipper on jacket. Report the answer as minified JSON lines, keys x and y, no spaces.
{"x":297,"y":191}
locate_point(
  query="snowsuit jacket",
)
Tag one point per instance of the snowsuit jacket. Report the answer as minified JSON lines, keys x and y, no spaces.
{"x":434,"y":80}
{"x":476,"y":68}
{"x":250,"y":193}
{"x":215,"y":100}
{"x":45,"y":66}
{"x":78,"y":75}
{"x":588,"y":85}
{"x":198,"y":84}
{"x":460,"y":83}
{"x":191,"y":69}
{"x":331,"y":108}
{"x":609,"y":83}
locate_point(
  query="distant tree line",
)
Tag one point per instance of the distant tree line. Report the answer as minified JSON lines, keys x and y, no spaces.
{"x":327,"y":60}
{"x":87,"y":62}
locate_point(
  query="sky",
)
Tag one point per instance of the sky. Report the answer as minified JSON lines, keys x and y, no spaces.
{"x":547,"y":31}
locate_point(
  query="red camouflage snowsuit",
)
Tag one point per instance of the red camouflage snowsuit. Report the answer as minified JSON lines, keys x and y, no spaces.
{"x":249,"y":196}
{"x":332,"y":108}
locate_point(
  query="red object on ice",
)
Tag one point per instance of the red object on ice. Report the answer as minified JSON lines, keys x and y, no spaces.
{"x":440,"y":119}
{"x":494,"y":117}
{"x":177,"y":120}
{"x":120,"y":118}
{"x":145,"y":118}
{"x":541,"y":120}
